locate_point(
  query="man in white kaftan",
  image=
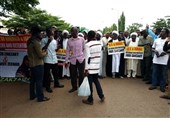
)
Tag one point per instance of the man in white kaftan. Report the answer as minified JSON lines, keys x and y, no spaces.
{"x":132,"y":63}
{"x":65,"y":34}
{"x":116,"y":56}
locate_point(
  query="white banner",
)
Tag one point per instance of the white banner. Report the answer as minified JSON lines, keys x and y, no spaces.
{"x":134,"y":52}
{"x":115,"y":47}
{"x":10,"y":61}
{"x":61,"y":54}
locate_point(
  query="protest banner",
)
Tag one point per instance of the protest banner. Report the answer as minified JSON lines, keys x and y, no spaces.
{"x":14,"y":79}
{"x":13,"y":42}
{"x":61,"y":54}
{"x":10,"y":61}
{"x":12,"y":51}
{"x":134,"y":52}
{"x":115,"y":47}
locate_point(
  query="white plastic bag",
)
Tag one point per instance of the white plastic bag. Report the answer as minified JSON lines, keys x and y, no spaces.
{"x":84,"y":89}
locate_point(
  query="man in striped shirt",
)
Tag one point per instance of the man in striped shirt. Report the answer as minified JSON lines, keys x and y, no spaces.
{"x":92,"y":64}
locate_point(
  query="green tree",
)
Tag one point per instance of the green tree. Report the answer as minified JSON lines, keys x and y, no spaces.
{"x":134,"y":27}
{"x":109,"y":29}
{"x":162,"y":22}
{"x":121,"y":23}
{"x":19,"y":7}
{"x":81,"y":29}
{"x":36,"y":17}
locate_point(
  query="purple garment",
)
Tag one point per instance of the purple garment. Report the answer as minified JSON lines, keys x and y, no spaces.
{"x":75,"y":50}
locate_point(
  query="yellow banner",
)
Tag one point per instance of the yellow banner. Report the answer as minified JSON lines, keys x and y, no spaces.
{"x":61,"y":51}
{"x":116,"y":44}
{"x":61,"y":54}
{"x":134,"y":49}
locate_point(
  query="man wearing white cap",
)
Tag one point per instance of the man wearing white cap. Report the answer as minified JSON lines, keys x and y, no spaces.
{"x":65,"y":35}
{"x":113,"y":60}
{"x":132,"y":63}
{"x":99,"y":38}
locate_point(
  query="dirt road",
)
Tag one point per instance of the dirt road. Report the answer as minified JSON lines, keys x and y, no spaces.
{"x":125,"y":98}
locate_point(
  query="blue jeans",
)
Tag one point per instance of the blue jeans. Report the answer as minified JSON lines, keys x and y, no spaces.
{"x":94,"y":78}
{"x":159,"y":75}
{"x":36,"y":82}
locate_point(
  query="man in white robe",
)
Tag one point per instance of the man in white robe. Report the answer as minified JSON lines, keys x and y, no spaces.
{"x":132,"y":63}
{"x":104,"y":54}
{"x":99,"y":38}
{"x":115,"y":57}
{"x":66,"y":71}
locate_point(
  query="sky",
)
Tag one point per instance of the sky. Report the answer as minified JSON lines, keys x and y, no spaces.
{"x":97,"y":14}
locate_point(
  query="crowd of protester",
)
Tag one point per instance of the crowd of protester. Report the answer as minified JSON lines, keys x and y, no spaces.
{"x":87,"y":55}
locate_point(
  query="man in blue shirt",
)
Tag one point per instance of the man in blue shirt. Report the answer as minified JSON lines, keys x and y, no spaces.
{"x":155,"y":34}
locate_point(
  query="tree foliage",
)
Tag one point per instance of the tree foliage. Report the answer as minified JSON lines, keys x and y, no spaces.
{"x":36,"y":17}
{"x":162,"y":22}
{"x":16,"y":6}
{"x":134,"y":27}
{"x":121,"y":23}
{"x":109,"y":29}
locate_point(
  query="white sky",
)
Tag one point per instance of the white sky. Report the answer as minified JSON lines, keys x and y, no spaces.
{"x":96,"y":14}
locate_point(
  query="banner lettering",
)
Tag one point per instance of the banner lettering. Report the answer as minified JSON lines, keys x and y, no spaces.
{"x":116,"y":47}
{"x":61,"y":54}
{"x":134,"y":52}
{"x":18,"y":42}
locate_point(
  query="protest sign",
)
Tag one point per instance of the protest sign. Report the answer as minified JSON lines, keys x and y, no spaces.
{"x":12,"y":51}
{"x":116,"y":47}
{"x":61,"y":54}
{"x":14,"y":42}
{"x":10,"y":61}
{"x":134,"y":52}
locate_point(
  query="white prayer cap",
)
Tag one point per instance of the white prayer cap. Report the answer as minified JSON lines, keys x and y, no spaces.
{"x":115,"y":32}
{"x":100,"y":33}
{"x":65,"y":31}
{"x":80,"y":34}
{"x":134,"y":33}
{"x":54,"y":26}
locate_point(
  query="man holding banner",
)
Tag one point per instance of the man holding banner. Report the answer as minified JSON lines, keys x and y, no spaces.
{"x":132,"y":62}
{"x":114,"y":49}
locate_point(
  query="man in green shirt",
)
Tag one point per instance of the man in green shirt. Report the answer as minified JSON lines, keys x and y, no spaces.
{"x":146,"y":41}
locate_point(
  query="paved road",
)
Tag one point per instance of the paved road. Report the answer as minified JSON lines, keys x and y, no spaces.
{"x":125,"y":98}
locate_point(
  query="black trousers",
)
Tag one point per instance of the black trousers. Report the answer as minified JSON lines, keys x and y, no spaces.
{"x":122,"y":65}
{"x":93,"y":78}
{"x":47,"y":76}
{"x":77,"y":71}
{"x":109,"y":66}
